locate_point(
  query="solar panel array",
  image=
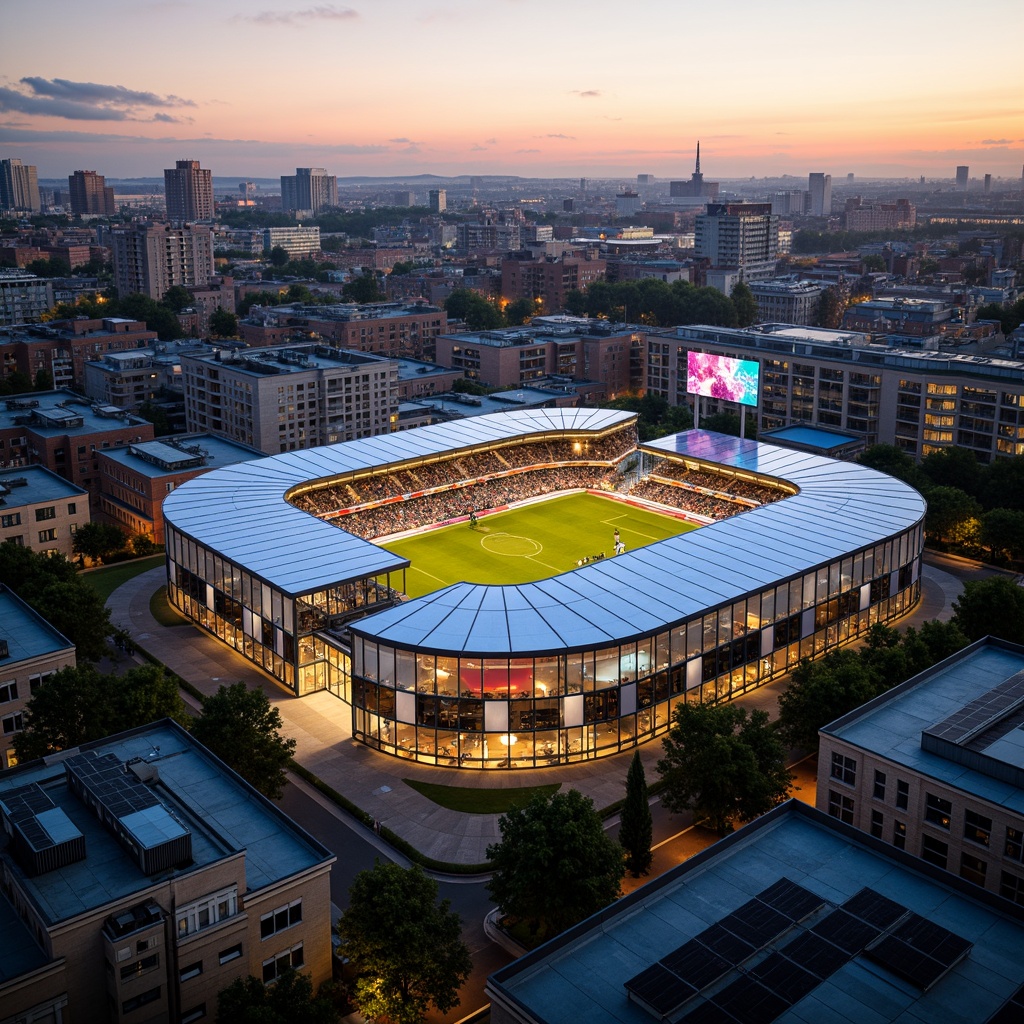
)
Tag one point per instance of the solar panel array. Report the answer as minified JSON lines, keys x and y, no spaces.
{"x":981,"y":712}
{"x":750,"y":967}
{"x":44,"y":837}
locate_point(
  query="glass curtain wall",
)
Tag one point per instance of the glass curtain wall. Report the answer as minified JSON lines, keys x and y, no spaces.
{"x":523,"y":712}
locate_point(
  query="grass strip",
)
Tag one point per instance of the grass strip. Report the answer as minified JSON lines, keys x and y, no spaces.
{"x":161,"y":610}
{"x":480,"y":801}
{"x":106,"y":580}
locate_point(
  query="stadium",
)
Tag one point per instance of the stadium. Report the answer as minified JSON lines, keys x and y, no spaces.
{"x":558,"y":650}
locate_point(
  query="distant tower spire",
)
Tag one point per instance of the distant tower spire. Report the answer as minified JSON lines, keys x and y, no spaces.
{"x":696,"y":170}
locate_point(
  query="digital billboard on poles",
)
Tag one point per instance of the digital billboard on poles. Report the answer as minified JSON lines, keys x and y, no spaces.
{"x":735,"y":380}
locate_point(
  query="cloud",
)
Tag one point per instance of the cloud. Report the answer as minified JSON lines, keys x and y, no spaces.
{"x":527,"y":150}
{"x":83,"y":101}
{"x":322,"y":12}
{"x":587,"y":94}
{"x":477,"y":148}
{"x":491,"y":142}
{"x":608,"y":118}
{"x":569,"y":138}
{"x":1000,"y":142}
{"x":405,"y":142}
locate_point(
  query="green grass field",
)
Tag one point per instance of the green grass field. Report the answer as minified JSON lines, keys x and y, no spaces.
{"x":529,"y":543}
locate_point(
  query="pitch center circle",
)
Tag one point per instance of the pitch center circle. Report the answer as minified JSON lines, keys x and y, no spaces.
{"x":510,"y":544}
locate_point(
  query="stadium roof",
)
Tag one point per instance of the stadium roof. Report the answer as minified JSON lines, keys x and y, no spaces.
{"x":841,"y":508}
{"x":240,"y":511}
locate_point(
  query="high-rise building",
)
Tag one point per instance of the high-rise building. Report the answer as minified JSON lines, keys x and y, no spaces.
{"x":744,"y":236}
{"x":820,"y":188}
{"x":696,"y":186}
{"x":189,"y":191}
{"x":150,"y":258}
{"x":963,"y":173}
{"x":988,"y":183}
{"x":309,"y":189}
{"x":19,"y":186}
{"x":90,"y":194}
{"x":438,"y":199}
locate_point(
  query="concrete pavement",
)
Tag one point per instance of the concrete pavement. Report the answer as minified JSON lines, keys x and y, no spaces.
{"x":373,"y":781}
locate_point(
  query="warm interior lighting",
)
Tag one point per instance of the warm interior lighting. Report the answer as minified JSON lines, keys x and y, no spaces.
{"x":509,"y":739}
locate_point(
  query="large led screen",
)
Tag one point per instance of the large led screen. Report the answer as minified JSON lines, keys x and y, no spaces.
{"x":713,"y":376}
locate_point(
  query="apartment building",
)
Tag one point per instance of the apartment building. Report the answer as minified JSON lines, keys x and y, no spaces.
{"x":393,"y":329}
{"x":135,"y":479}
{"x":308,"y":190}
{"x":297,"y":242}
{"x":90,"y":195}
{"x":41,"y":511}
{"x":918,"y":400}
{"x":63,"y":432}
{"x":24,"y":298}
{"x":739,"y":236}
{"x":141,"y":876}
{"x":19,"y":187}
{"x":128,"y":379}
{"x":786,"y":300}
{"x":819,"y":194}
{"x":189,"y":192}
{"x":150,"y":258}
{"x":280,"y":400}
{"x":31,"y":650}
{"x":572,"y":347}
{"x":935,"y":767}
{"x":548,"y":279}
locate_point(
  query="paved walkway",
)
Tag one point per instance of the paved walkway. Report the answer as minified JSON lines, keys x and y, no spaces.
{"x":373,"y":781}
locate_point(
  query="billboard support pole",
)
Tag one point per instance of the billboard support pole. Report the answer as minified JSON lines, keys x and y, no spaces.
{"x":743,"y":422}
{"x":696,"y":412}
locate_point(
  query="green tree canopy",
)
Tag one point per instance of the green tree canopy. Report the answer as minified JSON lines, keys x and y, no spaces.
{"x":279,"y":256}
{"x":722,"y":764}
{"x":1002,"y":532}
{"x":405,"y":946}
{"x":480,"y":314}
{"x":991,"y":607}
{"x":363,"y":288}
{"x":953,"y":467}
{"x":98,"y":540}
{"x":242,"y":728}
{"x":554,"y":864}
{"x":745,"y":303}
{"x":43,"y":380}
{"x":289,"y":1000}
{"x":520,"y":311}
{"x":77,"y":705}
{"x":223,"y":324}
{"x":177,"y":298}
{"x":636,"y":826}
{"x":952,"y":515}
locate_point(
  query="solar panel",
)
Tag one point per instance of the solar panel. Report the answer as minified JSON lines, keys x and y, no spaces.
{"x":659,"y":989}
{"x":816,"y":955}
{"x":906,"y":962}
{"x":785,"y":978}
{"x":756,"y":923}
{"x":705,"y":1013}
{"x":932,"y":939}
{"x":750,"y":1003}
{"x":846,"y":931}
{"x":696,"y":964}
{"x":727,"y":945}
{"x":874,"y":908}
{"x":791,"y":899}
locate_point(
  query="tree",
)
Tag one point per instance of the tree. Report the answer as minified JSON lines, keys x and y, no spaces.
{"x":98,"y":540}
{"x":952,"y":515}
{"x":831,"y":307}
{"x":722,"y":764}
{"x":991,"y":607}
{"x":821,"y":691}
{"x":289,"y":999}
{"x":76,"y":705}
{"x":478,"y":313}
{"x":241,"y":727}
{"x":278,"y":256}
{"x":44,"y":379}
{"x":405,"y":946}
{"x":177,"y":298}
{"x":1002,"y":532}
{"x":745,"y":303}
{"x":15,"y":383}
{"x":554,"y":864}
{"x":636,"y":826}
{"x":363,"y":288}
{"x":223,"y":324}
{"x":520,"y":311}
{"x":953,"y":467}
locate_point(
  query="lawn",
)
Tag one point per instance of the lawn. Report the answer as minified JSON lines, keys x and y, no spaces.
{"x":529,"y":543}
{"x":106,"y":580}
{"x":480,"y":801}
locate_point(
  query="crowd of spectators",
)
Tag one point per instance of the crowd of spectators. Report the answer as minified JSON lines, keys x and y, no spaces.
{"x":699,"y":502}
{"x":763,"y":494}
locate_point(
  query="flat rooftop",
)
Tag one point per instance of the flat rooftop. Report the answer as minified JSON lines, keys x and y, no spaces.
{"x":287,"y":359}
{"x":40,"y":485}
{"x":57,"y":413}
{"x":812,"y":963}
{"x":225,"y":817}
{"x":981,"y":685}
{"x":162,"y":457}
{"x":28,"y":634}
{"x":810,"y":437}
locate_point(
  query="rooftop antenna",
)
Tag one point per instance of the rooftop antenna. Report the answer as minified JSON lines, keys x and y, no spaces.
{"x":696,"y":170}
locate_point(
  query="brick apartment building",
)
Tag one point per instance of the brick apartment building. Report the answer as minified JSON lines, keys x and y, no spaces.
{"x":41,"y":511}
{"x":525,"y":275}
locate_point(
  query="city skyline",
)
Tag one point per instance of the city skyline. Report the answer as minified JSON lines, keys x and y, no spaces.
{"x":516,"y":87}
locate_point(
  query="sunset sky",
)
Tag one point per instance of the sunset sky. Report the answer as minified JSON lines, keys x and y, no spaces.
{"x":561,"y":88}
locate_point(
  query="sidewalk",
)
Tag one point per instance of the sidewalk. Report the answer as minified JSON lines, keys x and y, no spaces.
{"x":322,"y":726}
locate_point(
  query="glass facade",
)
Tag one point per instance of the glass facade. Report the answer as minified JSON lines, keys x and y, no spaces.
{"x":539,"y":710}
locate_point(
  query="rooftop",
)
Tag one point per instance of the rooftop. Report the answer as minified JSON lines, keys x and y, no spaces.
{"x":59,"y":413}
{"x":912,"y":943}
{"x":298,"y":358}
{"x":27,"y":634}
{"x":921,"y":723}
{"x":29,"y":485}
{"x":181,"y":453}
{"x":224,"y":815}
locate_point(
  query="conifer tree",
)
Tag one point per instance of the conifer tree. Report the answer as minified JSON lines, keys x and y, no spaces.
{"x":636,"y":825}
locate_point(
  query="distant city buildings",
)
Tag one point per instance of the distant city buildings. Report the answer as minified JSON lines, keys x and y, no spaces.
{"x":742,"y":237}
{"x":189,"y":192}
{"x":819,"y":188}
{"x":963,"y":172}
{"x":548,"y":279}
{"x":24,"y":298}
{"x":19,"y":187}
{"x":90,"y":195}
{"x":297,"y":242}
{"x":696,"y":187}
{"x":309,"y":190}
{"x":149,"y":258}
{"x":437,"y":199}
{"x":898,"y":216}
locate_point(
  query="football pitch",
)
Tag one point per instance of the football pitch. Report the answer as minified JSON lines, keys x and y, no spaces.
{"x":529,"y":543}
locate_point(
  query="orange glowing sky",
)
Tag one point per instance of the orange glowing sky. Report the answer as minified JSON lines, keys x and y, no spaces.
{"x":560,"y":88}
